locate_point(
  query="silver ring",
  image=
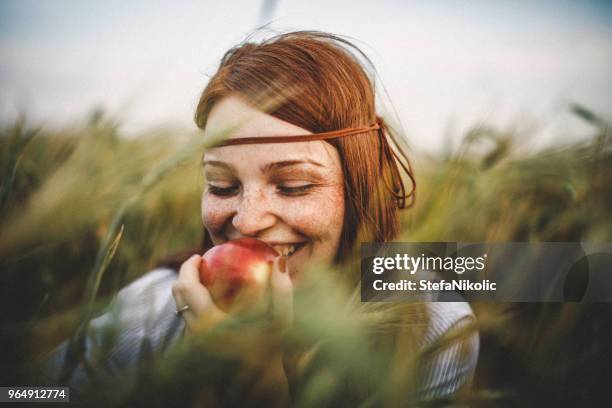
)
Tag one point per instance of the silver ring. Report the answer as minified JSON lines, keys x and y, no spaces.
{"x":181,"y":310}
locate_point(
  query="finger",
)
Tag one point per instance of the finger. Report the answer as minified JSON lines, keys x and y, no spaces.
{"x":180,"y":298}
{"x":193,"y":294}
{"x":188,"y":290}
{"x":202,"y":312}
{"x":281,"y":282}
{"x":190,"y":269}
{"x":282,"y":289}
{"x":188,"y":315}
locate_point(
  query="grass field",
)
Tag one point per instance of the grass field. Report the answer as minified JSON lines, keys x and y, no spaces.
{"x":83,"y":211}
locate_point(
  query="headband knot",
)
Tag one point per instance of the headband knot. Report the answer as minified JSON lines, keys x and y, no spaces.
{"x":396,"y":185}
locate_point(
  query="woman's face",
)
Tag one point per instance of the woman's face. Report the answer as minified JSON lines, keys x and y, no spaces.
{"x":290,"y":195}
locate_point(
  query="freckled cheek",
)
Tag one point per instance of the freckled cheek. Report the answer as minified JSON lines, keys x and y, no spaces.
{"x":216,"y":213}
{"x":319,"y":219}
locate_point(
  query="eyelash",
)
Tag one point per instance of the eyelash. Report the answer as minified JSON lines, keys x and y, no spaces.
{"x":296,"y":191}
{"x":288,"y":191}
{"x":221,"y":191}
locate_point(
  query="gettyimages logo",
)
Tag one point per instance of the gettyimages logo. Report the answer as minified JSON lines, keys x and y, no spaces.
{"x":507,"y":272}
{"x":413,"y":264}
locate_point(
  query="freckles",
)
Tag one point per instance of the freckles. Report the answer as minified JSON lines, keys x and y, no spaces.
{"x":215,"y":212}
{"x":337,"y":204}
{"x":319,"y":217}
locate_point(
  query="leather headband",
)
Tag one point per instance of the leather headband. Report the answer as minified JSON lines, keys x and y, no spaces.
{"x":297,"y":138}
{"x":395,"y":186}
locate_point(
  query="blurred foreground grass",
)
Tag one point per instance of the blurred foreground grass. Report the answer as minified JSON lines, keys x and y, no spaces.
{"x":61,"y":192}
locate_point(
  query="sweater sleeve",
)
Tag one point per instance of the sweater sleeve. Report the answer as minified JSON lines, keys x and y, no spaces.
{"x":452,"y":367}
{"x":140,"y":320}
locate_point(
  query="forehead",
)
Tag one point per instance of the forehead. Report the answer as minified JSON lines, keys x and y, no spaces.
{"x":234,"y":118}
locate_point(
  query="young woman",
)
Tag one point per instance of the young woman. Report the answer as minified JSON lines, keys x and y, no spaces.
{"x":308,"y":168}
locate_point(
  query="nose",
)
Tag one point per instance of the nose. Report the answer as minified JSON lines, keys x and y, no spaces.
{"x":253,"y":213}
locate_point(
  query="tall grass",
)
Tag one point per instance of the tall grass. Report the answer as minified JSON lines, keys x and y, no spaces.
{"x":83,"y":211}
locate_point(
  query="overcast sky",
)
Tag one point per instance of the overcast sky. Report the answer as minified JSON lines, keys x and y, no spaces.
{"x":445,"y":64}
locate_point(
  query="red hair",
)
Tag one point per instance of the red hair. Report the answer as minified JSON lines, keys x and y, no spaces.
{"x":323,"y":86}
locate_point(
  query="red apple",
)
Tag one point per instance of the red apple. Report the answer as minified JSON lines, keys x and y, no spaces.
{"x":236,"y":272}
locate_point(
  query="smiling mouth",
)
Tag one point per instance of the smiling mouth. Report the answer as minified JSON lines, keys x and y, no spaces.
{"x":288,"y":249}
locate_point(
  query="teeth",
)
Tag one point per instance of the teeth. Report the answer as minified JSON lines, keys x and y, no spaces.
{"x":285,"y":250}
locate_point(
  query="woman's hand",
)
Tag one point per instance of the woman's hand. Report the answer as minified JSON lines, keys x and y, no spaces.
{"x":203,"y":313}
{"x":189,"y":291}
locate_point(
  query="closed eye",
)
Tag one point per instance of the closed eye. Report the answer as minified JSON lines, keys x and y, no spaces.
{"x":222,"y":191}
{"x":284,"y":190}
{"x":295,"y":190}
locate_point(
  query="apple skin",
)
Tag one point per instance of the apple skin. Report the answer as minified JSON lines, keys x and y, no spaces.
{"x":236,"y":272}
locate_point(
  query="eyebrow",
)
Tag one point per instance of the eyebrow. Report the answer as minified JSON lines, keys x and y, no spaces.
{"x":288,"y":163}
{"x":218,"y":164}
{"x":268,"y":167}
